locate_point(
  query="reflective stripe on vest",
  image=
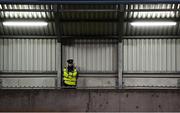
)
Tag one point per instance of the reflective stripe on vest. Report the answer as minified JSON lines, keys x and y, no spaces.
{"x":70,"y":83}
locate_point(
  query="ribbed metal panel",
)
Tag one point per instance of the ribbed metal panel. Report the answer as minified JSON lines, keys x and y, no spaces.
{"x":91,"y":28}
{"x":151,"y":55}
{"x":24,"y":14}
{"x":92,"y":55}
{"x":1,"y":54}
{"x":151,"y":14}
{"x":161,"y":15}
{"x":27,"y":55}
{"x":27,"y":16}
{"x":178,"y":55}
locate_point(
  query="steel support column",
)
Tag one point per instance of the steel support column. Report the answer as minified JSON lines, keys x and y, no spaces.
{"x":120,"y":45}
{"x":58,"y":64}
{"x":58,"y":25}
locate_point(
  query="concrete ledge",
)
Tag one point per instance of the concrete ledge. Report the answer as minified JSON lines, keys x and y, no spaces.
{"x":90,"y":100}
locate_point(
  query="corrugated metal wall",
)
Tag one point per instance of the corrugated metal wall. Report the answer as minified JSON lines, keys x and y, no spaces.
{"x":151,"y":63}
{"x":27,"y":54}
{"x":92,"y":55}
{"x":151,"y":55}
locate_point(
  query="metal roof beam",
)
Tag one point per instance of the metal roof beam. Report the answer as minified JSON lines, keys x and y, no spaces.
{"x":87,"y":10}
{"x":88,"y":1}
{"x":87,"y":36}
{"x":89,"y":20}
{"x":91,"y":37}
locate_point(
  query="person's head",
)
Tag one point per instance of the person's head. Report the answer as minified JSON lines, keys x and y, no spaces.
{"x":70,"y":62}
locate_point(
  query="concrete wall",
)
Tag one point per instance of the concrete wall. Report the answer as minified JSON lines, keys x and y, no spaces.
{"x":89,"y":100}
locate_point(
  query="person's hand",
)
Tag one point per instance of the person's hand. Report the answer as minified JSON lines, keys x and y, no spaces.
{"x":70,"y":73}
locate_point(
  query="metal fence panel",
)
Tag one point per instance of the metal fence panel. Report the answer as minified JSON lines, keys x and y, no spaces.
{"x":27,"y":82}
{"x":97,"y":82}
{"x":151,"y":82}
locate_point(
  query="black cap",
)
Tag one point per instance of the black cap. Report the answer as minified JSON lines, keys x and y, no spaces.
{"x":70,"y":61}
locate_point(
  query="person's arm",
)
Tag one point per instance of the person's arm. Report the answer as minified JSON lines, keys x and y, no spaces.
{"x":65,"y":73}
{"x":75,"y":73}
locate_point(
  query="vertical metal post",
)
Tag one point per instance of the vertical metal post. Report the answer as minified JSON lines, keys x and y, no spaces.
{"x":58,"y":25}
{"x":120,"y":45}
{"x":58,"y":65}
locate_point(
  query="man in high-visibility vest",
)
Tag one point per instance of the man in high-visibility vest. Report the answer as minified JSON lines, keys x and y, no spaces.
{"x":70,"y":74}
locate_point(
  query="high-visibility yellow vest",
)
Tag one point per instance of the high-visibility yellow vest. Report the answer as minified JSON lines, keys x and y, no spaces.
{"x":70,"y":78}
